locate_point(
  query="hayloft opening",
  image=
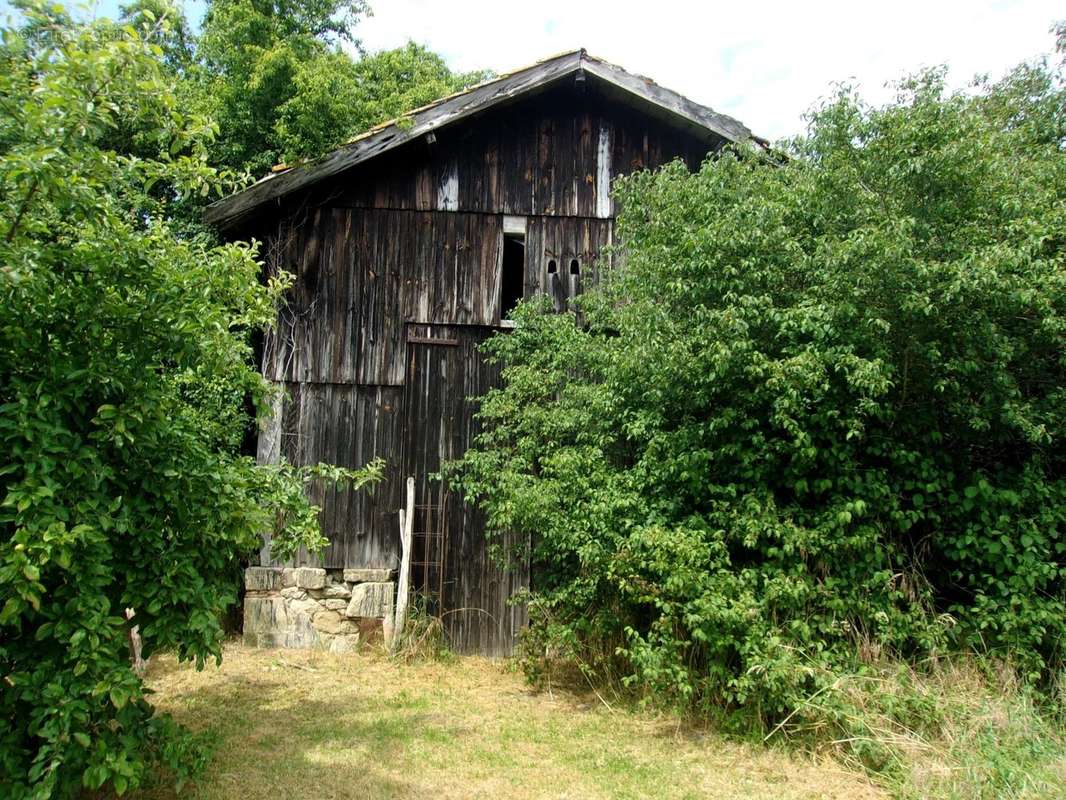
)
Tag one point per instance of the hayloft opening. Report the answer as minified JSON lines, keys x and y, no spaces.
{"x":512,"y":272}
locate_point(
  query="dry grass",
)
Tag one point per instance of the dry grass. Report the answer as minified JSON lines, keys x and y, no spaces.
{"x":956,"y":732}
{"x":295,"y":724}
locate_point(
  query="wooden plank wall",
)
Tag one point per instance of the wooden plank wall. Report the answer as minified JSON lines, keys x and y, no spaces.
{"x":563,"y":240}
{"x":361,"y":274}
{"x":349,"y":425}
{"x":543,"y":158}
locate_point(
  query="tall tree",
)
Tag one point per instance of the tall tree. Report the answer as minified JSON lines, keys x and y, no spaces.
{"x":336,"y":97}
{"x":251,"y":53}
{"x":280,"y":80}
{"x":124,"y":364}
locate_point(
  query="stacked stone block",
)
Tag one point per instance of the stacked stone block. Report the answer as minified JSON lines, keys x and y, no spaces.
{"x":305,"y":607}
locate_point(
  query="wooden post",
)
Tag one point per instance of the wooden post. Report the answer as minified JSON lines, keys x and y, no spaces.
{"x":388,"y":625}
{"x":407,"y":528}
{"x":134,"y":635}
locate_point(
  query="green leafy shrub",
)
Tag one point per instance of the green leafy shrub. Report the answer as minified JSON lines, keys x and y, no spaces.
{"x":815,"y":410}
{"x":124,"y":363}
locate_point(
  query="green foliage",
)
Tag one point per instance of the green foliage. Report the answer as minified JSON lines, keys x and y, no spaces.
{"x":815,"y":411}
{"x":124,"y":364}
{"x":287,"y":487}
{"x":279,"y":82}
{"x":397,"y":81}
{"x":282,"y":86}
{"x":176,"y":39}
{"x":250,"y":54}
{"x":335,"y":98}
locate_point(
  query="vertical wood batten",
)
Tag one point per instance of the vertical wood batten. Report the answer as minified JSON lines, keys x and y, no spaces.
{"x":544,"y":157}
{"x":348,"y":425}
{"x":603,"y":172}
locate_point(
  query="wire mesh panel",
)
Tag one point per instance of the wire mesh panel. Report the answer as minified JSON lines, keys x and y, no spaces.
{"x":429,"y":548}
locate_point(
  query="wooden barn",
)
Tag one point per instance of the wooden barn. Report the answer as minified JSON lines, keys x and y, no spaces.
{"x":410,"y":245}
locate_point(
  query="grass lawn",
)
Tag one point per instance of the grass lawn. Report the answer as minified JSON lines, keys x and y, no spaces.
{"x":298,"y":724}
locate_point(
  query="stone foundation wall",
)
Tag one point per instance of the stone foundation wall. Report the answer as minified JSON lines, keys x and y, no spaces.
{"x":307,"y":607}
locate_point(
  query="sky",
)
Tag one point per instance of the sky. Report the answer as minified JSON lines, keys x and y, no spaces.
{"x":763,"y":62}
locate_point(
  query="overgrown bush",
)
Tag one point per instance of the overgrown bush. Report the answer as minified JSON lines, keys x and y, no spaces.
{"x":124,"y":365}
{"x":815,"y":411}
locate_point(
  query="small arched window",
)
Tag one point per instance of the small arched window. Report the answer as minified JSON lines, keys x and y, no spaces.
{"x":575,"y":267}
{"x":552,"y":268}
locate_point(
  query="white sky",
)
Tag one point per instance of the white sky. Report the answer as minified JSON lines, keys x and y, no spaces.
{"x":762,"y":62}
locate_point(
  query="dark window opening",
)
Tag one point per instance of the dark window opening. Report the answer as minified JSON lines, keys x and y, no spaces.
{"x":513,"y":271}
{"x":575,"y":267}
{"x":551,"y":267}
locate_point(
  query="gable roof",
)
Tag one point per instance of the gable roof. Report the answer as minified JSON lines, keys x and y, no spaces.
{"x":626,"y":87}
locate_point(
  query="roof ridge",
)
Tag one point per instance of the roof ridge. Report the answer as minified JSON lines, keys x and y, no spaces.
{"x":285,"y":179}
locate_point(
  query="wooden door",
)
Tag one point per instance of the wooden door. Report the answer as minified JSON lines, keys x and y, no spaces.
{"x":469,"y":590}
{"x":431,"y":440}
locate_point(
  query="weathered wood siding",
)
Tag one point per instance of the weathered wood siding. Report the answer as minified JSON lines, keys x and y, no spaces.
{"x":408,"y":248}
{"x":554,"y":157}
{"x":583,"y":81}
{"x":360,"y":274}
{"x":562,"y":241}
{"x":349,"y":425}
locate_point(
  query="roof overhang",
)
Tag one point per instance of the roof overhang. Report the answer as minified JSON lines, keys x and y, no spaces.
{"x":615,"y":81}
